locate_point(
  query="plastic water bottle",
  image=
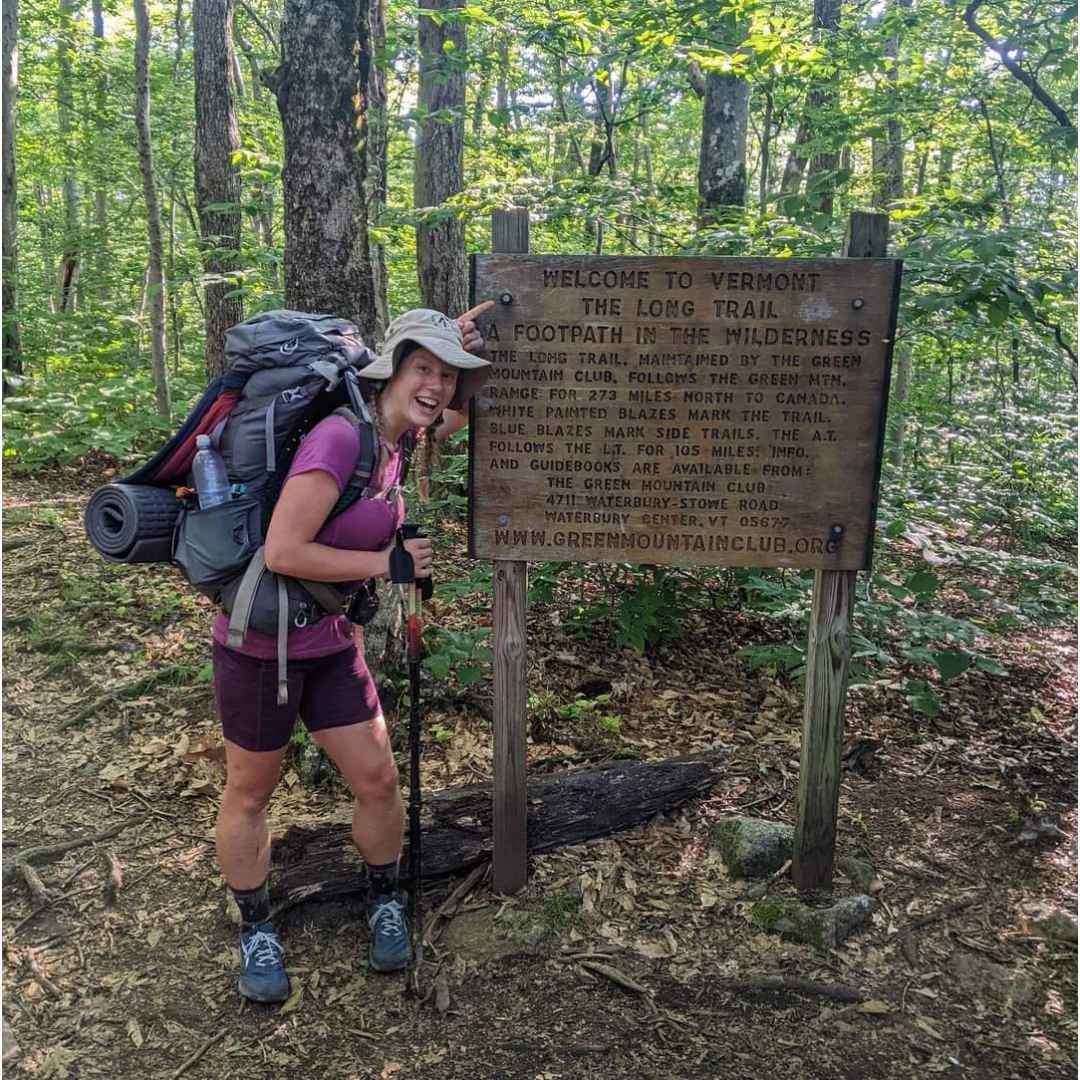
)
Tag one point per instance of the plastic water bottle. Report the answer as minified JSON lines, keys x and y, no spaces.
{"x":211,"y":476}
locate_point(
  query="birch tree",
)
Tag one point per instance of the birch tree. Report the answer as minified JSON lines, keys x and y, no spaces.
{"x":12,"y":343}
{"x":155,"y":284}
{"x":722,"y":162}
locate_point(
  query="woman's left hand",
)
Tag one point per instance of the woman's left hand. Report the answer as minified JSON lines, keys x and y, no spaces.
{"x":472,"y":339}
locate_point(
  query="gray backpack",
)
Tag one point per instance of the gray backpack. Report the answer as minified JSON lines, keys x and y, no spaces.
{"x":287,"y":371}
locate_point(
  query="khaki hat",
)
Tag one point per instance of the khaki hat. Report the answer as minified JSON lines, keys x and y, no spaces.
{"x":440,"y":335}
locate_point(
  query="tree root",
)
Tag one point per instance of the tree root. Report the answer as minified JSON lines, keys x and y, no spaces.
{"x":44,"y":853}
{"x":198,"y":1054}
{"x":774,"y":984}
{"x":614,"y":975}
{"x":22,"y":865}
{"x":434,"y":926}
{"x":136,"y":686}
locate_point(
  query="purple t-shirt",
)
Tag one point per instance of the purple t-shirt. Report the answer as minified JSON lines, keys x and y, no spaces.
{"x":332,"y":447}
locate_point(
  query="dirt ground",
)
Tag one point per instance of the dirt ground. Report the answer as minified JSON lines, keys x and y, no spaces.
{"x":119,"y":957}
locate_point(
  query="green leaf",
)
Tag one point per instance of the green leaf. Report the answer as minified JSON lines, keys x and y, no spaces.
{"x":922,"y":584}
{"x":952,"y":662}
{"x":998,"y":311}
{"x":438,"y":665}
{"x":991,"y":667}
{"x":922,"y":699}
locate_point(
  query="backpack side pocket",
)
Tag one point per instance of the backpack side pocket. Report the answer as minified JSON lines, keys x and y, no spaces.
{"x":212,"y":547}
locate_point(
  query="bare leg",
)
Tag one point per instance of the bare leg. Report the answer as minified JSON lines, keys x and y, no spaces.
{"x":362,"y":753}
{"x":243,"y":836}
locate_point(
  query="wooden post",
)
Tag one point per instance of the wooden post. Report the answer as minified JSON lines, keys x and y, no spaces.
{"x":828,"y":653}
{"x":510,"y":233}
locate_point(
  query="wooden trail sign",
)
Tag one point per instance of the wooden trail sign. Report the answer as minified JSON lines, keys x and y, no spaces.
{"x":724,"y":412}
{"x":595,"y":441}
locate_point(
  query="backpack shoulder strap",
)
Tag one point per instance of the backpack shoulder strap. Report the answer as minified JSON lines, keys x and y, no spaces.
{"x":367,"y":462}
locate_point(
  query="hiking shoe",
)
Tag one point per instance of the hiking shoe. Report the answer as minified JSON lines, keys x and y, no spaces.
{"x":262,"y":964}
{"x":389,"y":949}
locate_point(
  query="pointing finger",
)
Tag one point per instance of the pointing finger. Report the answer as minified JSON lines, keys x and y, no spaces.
{"x":480,"y":309}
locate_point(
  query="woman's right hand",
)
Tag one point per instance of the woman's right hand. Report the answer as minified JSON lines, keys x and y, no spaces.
{"x":423,"y":555}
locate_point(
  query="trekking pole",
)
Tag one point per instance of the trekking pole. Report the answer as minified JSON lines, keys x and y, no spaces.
{"x":403,"y":573}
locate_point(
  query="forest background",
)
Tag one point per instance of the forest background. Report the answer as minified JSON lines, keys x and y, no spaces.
{"x":171,"y":167}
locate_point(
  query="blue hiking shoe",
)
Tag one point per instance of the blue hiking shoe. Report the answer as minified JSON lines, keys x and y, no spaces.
{"x":390,"y":949}
{"x":262,"y":964}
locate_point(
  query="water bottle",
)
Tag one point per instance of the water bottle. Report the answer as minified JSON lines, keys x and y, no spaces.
{"x":210,"y":474}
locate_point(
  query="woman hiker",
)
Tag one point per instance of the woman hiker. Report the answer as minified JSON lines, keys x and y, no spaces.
{"x":426,"y":366}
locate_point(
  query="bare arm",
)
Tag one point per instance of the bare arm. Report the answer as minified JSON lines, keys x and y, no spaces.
{"x":300,"y":513}
{"x":472,"y":339}
{"x":452,"y":421}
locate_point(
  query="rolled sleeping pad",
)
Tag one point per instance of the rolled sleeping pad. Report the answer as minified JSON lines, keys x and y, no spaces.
{"x":133,"y":523}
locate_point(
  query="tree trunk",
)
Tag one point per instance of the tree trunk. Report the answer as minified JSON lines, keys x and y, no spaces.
{"x":170,"y":291}
{"x":888,"y":167}
{"x":237,"y":74}
{"x":1006,"y":217}
{"x":920,"y":175}
{"x":12,"y":341}
{"x":796,"y":163}
{"x":440,"y":162}
{"x":69,"y":264}
{"x":650,"y":183}
{"x":318,"y":863}
{"x":332,"y":102}
{"x":602,"y":151}
{"x":101,"y":259}
{"x":824,"y":106}
{"x":217,"y":182}
{"x":766,"y":149}
{"x":180,"y":34}
{"x":155,"y":279}
{"x":901,"y":392}
{"x":888,"y":163}
{"x":480,"y":105}
{"x":253,"y":64}
{"x":635,"y":179}
{"x":722,"y":162}
{"x":945,"y":167}
{"x":502,"y":95}
{"x":574,"y":148}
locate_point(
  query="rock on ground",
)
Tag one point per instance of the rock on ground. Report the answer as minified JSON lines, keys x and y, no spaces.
{"x":479,"y":936}
{"x":860,"y":873}
{"x":823,"y":928}
{"x":983,"y":978}
{"x":752,"y":847}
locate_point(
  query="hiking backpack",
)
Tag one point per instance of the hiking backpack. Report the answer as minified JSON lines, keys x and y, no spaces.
{"x":286,"y":371}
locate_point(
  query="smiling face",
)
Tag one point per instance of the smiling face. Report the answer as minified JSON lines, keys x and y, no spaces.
{"x":416,"y":396}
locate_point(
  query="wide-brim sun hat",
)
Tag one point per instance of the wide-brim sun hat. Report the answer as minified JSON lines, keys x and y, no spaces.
{"x":440,"y":335}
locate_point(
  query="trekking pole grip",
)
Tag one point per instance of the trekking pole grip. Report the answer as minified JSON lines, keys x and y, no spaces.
{"x":411,"y":531}
{"x":402,"y":567}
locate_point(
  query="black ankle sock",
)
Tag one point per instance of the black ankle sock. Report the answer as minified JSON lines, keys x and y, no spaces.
{"x":254,"y":904}
{"x":383,"y":879}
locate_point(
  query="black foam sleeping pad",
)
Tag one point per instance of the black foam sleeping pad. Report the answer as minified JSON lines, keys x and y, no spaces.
{"x":132,"y":523}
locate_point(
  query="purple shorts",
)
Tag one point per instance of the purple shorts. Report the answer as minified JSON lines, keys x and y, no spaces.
{"x":327,"y":691}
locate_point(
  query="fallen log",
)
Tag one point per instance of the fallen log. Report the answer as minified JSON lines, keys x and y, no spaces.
{"x":320,"y":862}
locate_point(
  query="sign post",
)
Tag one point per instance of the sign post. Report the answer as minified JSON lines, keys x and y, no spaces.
{"x":510,"y":852}
{"x":828,"y":654}
{"x":694,"y":411}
